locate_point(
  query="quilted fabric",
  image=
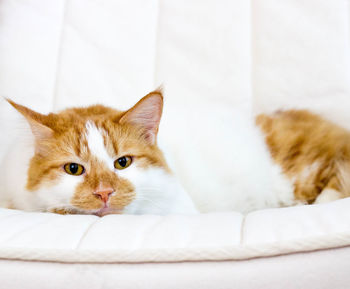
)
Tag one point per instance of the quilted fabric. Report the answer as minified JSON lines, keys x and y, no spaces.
{"x":215,"y":236}
{"x":210,"y":56}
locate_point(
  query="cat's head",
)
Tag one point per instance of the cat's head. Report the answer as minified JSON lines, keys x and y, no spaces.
{"x":96,"y":160}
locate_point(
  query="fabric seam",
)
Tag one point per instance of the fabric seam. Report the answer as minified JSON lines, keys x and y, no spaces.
{"x":59,"y":55}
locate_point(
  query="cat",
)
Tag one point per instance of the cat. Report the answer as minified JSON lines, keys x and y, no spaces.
{"x":98,"y":160}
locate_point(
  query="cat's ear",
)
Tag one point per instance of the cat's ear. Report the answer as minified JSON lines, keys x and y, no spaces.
{"x":35,"y":120}
{"x":146,"y":114}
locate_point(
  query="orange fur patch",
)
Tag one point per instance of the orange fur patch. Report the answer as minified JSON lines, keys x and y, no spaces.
{"x":312,"y":151}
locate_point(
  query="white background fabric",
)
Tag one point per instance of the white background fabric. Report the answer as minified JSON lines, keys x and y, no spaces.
{"x":302,"y":270}
{"x":254,"y":56}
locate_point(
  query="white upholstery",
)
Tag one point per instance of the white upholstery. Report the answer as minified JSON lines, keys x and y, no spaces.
{"x":211,"y":56}
{"x":148,"y":238}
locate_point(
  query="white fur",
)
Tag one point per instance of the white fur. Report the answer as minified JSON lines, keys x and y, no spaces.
{"x":14,"y":179}
{"x":58,"y":196}
{"x":309,"y":171}
{"x":327,"y":195}
{"x":14,"y":175}
{"x":223,"y":171}
{"x":96,"y":145}
{"x":157,"y":192}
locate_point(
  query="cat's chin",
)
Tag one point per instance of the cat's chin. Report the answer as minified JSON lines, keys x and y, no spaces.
{"x":75,"y":211}
{"x":106,"y":211}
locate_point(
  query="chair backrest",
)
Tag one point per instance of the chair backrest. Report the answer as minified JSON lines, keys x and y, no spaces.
{"x":210,"y":55}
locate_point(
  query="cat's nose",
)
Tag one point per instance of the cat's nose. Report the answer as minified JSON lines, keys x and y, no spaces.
{"x":104,"y":194}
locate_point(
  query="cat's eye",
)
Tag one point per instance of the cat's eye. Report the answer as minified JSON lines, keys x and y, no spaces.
{"x":122,"y":163}
{"x":74,"y":169}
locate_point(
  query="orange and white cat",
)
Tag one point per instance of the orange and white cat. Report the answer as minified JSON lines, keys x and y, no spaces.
{"x":98,"y":160}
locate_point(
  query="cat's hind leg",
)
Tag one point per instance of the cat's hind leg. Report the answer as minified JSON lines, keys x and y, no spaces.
{"x":332,"y":191}
{"x":328,"y":195}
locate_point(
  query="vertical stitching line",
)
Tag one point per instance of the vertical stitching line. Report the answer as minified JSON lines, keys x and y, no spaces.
{"x":242,"y":230}
{"x":347,"y":4}
{"x":252,"y":58}
{"x":155,"y":71}
{"x":88,"y":229}
{"x":59,"y":55}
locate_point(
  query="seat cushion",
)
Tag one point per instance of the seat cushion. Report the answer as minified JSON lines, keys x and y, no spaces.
{"x":173,"y":238}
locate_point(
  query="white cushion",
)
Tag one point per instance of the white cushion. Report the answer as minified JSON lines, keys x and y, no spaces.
{"x":148,"y":238}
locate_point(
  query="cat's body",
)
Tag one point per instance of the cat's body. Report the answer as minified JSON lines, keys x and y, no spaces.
{"x":99,"y":160}
{"x":312,"y":152}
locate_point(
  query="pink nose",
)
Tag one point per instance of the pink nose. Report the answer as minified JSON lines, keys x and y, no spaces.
{"x":104,"y":194}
